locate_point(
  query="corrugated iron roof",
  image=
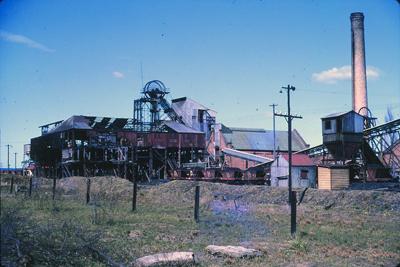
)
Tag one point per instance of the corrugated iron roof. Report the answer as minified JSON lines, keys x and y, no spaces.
{"x":98,"y":123}
{"x":183,"y":99}
{"x":299,"y":160}
{"x":246,"y":156}
{"x":247,"y":129}
{"x":74,"y":122}
{"x":179,"y":127}
{"x":91,"y":122}
{"x":262,"y":140}
{"x":338,"y":114}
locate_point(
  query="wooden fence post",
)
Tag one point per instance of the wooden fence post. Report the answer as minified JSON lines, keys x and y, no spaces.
{"x":135,"y":172}
{"x":30,"y":186}
{"x":12,"y":183}
{"x":54,"y":185}
{"x":88,"y":182}
{"x":134,"y":195}
{"x":293,"y":214}
{"x":197,"y":203}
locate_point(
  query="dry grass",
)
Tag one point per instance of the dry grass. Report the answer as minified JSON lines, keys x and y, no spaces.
{"x":360,"y":229}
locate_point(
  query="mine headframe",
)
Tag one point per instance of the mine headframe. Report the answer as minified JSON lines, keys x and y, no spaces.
{"x":152,"y":108}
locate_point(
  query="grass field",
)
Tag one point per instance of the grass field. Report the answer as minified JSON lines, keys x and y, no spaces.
{"x":352,"y":228}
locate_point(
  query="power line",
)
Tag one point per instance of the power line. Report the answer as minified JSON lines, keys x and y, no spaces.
{"x":323,"y":91}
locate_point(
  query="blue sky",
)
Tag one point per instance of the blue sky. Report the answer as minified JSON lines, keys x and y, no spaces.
{"x":60,"y":58}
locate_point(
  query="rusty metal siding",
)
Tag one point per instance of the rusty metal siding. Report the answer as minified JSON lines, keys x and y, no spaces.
{"x":164,"y":140}
{"x":173,"y":140}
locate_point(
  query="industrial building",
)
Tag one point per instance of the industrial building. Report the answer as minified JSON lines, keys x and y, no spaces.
{"x":154,"y":142}
{"x":162,"y":139}
{"x":98,"y":146}
{"x":251,"y":149}
{"x":182,"y":139}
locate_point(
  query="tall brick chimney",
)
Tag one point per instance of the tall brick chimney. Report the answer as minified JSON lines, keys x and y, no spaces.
{"x":358,"y":67}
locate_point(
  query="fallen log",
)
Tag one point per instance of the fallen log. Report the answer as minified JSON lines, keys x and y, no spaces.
{"x":166,"y":259}
{"x":233,"y":251}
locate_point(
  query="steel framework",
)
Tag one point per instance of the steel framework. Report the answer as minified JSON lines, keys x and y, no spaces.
{"x":383,"y":139}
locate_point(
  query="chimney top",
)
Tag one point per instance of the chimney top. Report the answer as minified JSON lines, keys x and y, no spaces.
{"x":357,"y":15}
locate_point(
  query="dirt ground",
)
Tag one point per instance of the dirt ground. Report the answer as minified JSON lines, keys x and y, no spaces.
{"x":334,"y":228}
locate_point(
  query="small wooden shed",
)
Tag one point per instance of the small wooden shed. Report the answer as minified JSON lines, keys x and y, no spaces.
{"x":333,"y":177}
{"x":303,"y":171}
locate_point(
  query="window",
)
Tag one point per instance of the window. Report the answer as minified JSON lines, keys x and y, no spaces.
{"x":339,"y":125}
{"x":304,"y":174}
{"x":201,"y":115}
{"x":328,"y":125}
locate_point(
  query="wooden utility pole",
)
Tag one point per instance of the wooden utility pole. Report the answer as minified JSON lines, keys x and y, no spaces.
{"x":273,"y":125}
{"x":8,"y":167}
{"x":292,"y":197}
{"x":15,"y":171}
{"x":8,"y":157}
{"x":293,"y":214}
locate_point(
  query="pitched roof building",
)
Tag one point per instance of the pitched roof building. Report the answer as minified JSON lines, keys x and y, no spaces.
{"x":254,"y":141}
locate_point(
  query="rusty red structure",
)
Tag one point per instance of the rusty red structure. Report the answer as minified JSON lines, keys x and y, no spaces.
{"x":154,"y":143}
{"x":85,"y":145}
{"x":178,"y":139}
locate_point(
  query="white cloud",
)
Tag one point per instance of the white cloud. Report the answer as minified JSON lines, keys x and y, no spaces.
{"x":118,"y":75}
{"x":20,"y":39}
{"x":342,"y":73}
{"x":372,"y":72}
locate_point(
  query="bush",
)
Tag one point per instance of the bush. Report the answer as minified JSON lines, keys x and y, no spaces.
{"x":24,"y":242}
